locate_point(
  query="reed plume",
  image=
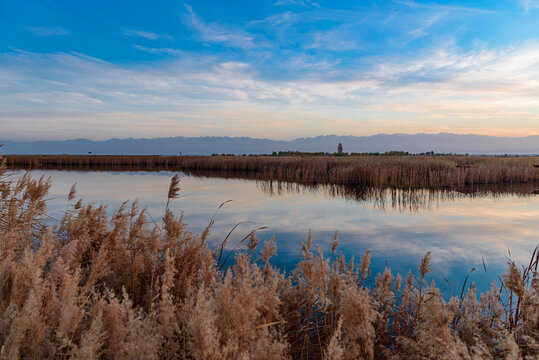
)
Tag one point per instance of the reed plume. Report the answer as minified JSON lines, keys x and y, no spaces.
{"x":173,"y":190}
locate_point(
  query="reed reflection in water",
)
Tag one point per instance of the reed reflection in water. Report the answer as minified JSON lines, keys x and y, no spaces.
{"x":398,"y":199}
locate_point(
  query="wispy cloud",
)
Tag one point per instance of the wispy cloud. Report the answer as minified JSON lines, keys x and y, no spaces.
{"x":217,"y":33}
{"x":305,"y":3}
{"x":366,"y":29}
{"x":162,"y":51}
{"x":48,"y":30}
{"x":337,"y":39}
{"x":450,"y":8}
{"x":426,"y":24}
{"x":147,"y":35}
{"x":529,"y":4}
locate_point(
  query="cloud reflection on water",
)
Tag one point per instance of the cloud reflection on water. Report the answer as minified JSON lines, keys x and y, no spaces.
{"x":400,"y":227}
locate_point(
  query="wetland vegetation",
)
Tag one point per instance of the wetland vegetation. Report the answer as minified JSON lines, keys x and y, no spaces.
{"x":92,"y":286}
{"x":379,"y":171}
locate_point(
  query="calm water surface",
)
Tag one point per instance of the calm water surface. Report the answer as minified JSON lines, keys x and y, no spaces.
{"x":460,"y":230}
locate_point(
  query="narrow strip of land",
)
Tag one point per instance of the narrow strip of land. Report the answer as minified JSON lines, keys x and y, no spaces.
{"x":384,"y":171}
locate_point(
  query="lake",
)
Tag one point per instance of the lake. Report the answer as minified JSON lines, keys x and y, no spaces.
{"x":462,"y":230}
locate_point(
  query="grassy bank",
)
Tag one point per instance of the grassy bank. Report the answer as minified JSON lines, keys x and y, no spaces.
{"x":381,"y":171}
{"x":91,"y":287}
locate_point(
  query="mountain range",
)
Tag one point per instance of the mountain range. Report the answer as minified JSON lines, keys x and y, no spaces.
{"x":413,"y":143}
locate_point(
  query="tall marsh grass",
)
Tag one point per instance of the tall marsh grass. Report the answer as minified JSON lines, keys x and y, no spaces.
{"x":382,"y":171}
{"x":125,"y":287}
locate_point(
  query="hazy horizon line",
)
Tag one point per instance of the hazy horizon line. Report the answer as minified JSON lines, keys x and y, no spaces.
{"x":262,"y":138}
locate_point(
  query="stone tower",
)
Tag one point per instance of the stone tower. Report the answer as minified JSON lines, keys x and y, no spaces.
{"x":339,"y":149}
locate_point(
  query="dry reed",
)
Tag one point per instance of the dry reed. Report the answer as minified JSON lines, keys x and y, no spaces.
{"x":93,"y":287}
{"x":381,"y":171}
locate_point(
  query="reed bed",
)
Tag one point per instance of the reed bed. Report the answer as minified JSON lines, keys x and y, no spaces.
{"x":381,"y":171}
{"x":92,"y":287}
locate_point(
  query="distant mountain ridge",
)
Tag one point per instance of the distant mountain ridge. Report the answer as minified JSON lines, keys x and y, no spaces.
{"x":207,"y":145}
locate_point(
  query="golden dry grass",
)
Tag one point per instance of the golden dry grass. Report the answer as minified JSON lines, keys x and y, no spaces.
{"x":381,"y":171}
{"x":93,"y":287}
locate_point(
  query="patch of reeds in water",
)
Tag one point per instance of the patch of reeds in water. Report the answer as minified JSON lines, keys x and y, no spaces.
{"x":93,"y":287}
{"x":381,"y":171}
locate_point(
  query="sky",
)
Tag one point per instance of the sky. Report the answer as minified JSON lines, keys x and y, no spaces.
{"x":277,"y":69}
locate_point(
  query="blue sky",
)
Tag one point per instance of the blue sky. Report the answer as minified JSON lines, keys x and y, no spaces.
{"x":278,"y":69}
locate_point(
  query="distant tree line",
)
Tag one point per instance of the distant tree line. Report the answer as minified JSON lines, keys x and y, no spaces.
{"x":387,"y":153}
{"x":375,"y":153}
